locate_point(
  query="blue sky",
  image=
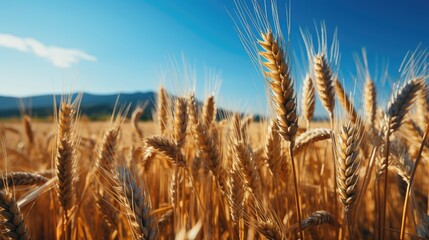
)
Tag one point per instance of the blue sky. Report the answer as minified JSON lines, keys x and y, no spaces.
{"x":113,"y":46}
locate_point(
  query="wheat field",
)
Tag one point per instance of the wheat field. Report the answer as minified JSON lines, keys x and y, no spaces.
{"x":195,"y":173}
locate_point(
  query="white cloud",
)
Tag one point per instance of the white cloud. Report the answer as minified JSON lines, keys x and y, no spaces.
{"x":59,"y":57}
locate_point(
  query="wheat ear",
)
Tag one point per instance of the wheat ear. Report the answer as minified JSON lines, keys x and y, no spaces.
{"x":138,"y":112}
{"x":308,"y":100}
{"x":168,"y":148}
{"x":400,"y":103}
{"x":12,"y":220}
{"x":311,"y":136}
{"x":243,"y":163}
{"x":180,"y":121}
{"x":163,"y":106}
{"x":209,"y":111}
{"x":398,"y":106}
{"x":206,"y":138}
{"x":319,"y":218}
{"x":273,"y":154}
{"x":107,"y":150}
{"x":370,"y":101}
{"x":347,"y":148}
{"x":144,"y":223}
{"x":281,"y":84}
{"x":422,"y":106}
{"x":65,"y":159}
{"x":28,"y":129}
{"x":324,"y":82}
{"x":345,"y":101}
{"x":21,"y":179}
{"x":283,"y":97}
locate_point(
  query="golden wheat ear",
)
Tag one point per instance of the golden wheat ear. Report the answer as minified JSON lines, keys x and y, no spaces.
{"x":308,"y":100}
{"x":139,"y":206}
{"x":135,"y":118}
{"x":347,"y":148}
{"x":163,"y":108}
{"x":281,"y":85}
{"x":345,"y":101}
{"x":168,"y":148}
{"x":324,"y":82}
{"x":180,"y":121}
{"x":12,"y":223}
{"x":65,"y":158}
{"x":22,"y":179}
{"x":370,"y":102}
{"x":401,"y":102}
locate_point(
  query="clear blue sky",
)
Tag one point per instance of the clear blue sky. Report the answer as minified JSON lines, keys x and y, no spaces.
{"x":113,"y":46}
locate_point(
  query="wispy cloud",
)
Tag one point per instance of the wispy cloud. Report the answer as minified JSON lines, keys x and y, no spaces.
{"x":59,"y":57}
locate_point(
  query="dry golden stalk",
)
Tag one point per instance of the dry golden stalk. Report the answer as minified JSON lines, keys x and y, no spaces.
{"x":65,"y":159}
{"x":324,"y":82}
{"x":168,"y":148}
{"x":162,"y":109}
{"x":180,"y":121}
{"x":370,"y":101}
{"x":281,"y":84}
{"x":21,"y":179}
{"x":12,"y":221}
{"x":308,"y":100}
{"x":311,"y":136}
{"x":209,"y":111}
{"x":345,"y":101}
{"x":139,"y":206}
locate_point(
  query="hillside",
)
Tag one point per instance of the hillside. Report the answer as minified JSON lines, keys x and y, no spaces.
{"x":92,"y":105}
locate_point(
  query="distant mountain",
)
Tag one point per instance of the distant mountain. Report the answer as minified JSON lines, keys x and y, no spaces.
{"x":92,"y":105}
